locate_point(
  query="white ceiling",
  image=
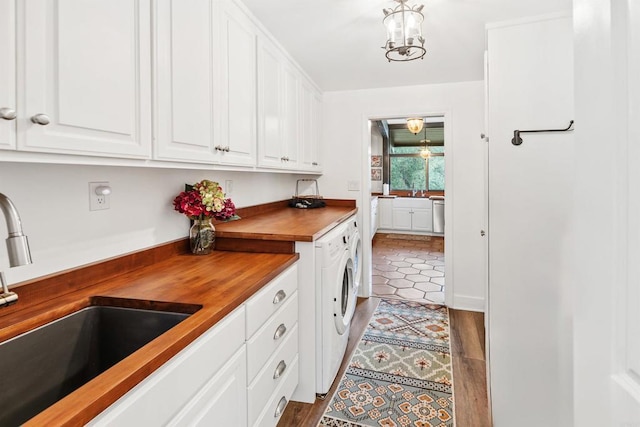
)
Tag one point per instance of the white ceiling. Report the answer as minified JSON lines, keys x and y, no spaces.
{"x":338,"y":42}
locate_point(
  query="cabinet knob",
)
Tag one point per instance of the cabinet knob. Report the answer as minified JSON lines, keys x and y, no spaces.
{"x":218,"y":148}
{"x":279,"y":370}
{"x":7,"y":113}
{"x":226,"y":149}
{"x":279,"y":297}
{"x":315,"y":163}
{"x":280,"y":408}
{"x":41,"y":119}
{"x":482,"y":233}
{"x":279,"y":332}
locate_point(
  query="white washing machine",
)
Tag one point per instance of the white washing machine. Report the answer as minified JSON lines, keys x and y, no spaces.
{"x":355,"y":247}
{"x":335,"y":303}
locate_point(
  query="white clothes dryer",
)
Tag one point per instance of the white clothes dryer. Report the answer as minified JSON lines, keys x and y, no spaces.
{"x":335,"y":304}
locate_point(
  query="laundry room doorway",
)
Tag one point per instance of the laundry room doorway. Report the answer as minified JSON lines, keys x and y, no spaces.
{"x":407,"y":172}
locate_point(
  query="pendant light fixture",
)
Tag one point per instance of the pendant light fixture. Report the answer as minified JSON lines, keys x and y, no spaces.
{"x":404,"y":32}
{"x":425,"y":154}
{"x":415,"y":124}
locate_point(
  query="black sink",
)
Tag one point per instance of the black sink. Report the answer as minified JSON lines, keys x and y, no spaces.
{"x":44,"y":365}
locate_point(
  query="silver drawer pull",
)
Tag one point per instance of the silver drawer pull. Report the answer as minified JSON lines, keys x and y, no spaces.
{"x":280,"y":296}
{"x":279,"y":332}
{"x":280,"y":408}
{"x":279,"y":370}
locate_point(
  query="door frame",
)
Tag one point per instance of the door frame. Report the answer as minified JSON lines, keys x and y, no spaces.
{"x":365,"y":194}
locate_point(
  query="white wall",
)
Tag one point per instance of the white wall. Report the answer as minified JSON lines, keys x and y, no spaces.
{"x":346,"y":159}
{"x":53,"y":203}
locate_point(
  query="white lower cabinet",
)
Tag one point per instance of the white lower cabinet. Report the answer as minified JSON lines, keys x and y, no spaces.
{"x":187,"y":390}
{"x":406,"y":214}
{"x":242,"y":372}
{"x":272,"y":349}
{"x":385,"y":213}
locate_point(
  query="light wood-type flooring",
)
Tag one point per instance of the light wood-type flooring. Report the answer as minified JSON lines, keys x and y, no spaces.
{"x":468,"y":355}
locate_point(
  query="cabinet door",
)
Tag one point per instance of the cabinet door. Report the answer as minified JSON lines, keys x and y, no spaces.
{"x":7,"y":74}
{"x":237,"y":139}
{"x":222,"y":401}
{"x":385,"y":207}
{"x":310,"y":128}
{"x":270,"y":89}
{"x":402,"y":218}
{"x":87,"y":73}
{"x":291,"y":117}
{"x":184,"y":90}
{"x":188,"y":386}
{"x":422,"y":220}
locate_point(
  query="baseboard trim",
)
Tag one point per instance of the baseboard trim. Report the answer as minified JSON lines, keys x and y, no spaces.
{"x":463,"y":302}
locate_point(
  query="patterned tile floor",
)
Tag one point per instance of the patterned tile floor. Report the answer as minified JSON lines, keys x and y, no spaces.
{"x":409,"y":267}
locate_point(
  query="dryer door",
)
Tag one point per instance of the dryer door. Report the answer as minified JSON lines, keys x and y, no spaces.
{"x":344,"y":299}
{"x":356,"y":255}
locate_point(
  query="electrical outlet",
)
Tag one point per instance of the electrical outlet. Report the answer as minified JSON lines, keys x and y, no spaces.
{"x":98,"y":201}
{"x":353,"y":185}
{"x":228,"y":187}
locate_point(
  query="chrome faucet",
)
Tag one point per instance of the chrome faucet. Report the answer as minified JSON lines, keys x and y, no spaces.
{"x":17,"y":246}
{"x":413,"y":191}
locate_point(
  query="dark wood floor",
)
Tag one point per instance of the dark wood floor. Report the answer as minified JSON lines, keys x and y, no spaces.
{"x":469,"y":375}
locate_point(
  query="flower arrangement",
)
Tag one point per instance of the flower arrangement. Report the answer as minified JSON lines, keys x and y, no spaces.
{"x":205,"y":199}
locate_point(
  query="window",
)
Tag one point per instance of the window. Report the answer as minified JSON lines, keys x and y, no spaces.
{"x":408,"y":170}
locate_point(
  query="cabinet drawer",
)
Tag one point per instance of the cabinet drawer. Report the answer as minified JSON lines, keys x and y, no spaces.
{"x":170,"y":388}
{"x":261,"y":346}
{"x":272,"y":374}
{"x":269,"y":299}
{"x":278,"y":401}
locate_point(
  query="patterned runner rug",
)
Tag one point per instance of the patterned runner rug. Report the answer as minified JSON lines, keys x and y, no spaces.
{"x":400,"y":374}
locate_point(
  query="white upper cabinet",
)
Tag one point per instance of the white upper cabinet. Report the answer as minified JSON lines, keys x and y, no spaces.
{"x":289,"y":111}
{"x":84,"y":77}
{"x":237,"y":139}
{"x":7,"y":75}
{"x":278,"y":114}
{"x":185,"y":92}
{"x":310,"y":110}
{"x":270,"y":122}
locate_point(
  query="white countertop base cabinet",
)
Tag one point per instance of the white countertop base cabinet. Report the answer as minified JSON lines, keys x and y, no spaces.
{"x":190,"y":386}
{"x":241,"y":372}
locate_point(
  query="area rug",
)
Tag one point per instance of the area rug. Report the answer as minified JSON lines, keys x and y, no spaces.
{"x":400,"y":374}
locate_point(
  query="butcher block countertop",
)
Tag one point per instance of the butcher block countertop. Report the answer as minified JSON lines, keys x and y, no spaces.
{"x":209,"y":286}
{"x":301,"y":225}
{"x":169,"y":278}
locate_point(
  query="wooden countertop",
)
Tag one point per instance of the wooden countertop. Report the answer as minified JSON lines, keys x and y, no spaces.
{"x":167,"y":278}
{"x":287,"y":224}
{"x":219,"y":283}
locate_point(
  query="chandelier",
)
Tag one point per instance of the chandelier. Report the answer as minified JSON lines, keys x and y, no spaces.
{"x":404,"y":32}
{"x":415,"y":124}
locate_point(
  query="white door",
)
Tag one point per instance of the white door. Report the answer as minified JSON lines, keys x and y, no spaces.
{"x":87,"y":73}
{"x":269,"y":104}
{"x":530,"y":204}
{"x":184,"y":89}
{"x":607,"y":285}
{"x":238,"y":136}
{"x":7,"y":74}
{"x":291,"y":116}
